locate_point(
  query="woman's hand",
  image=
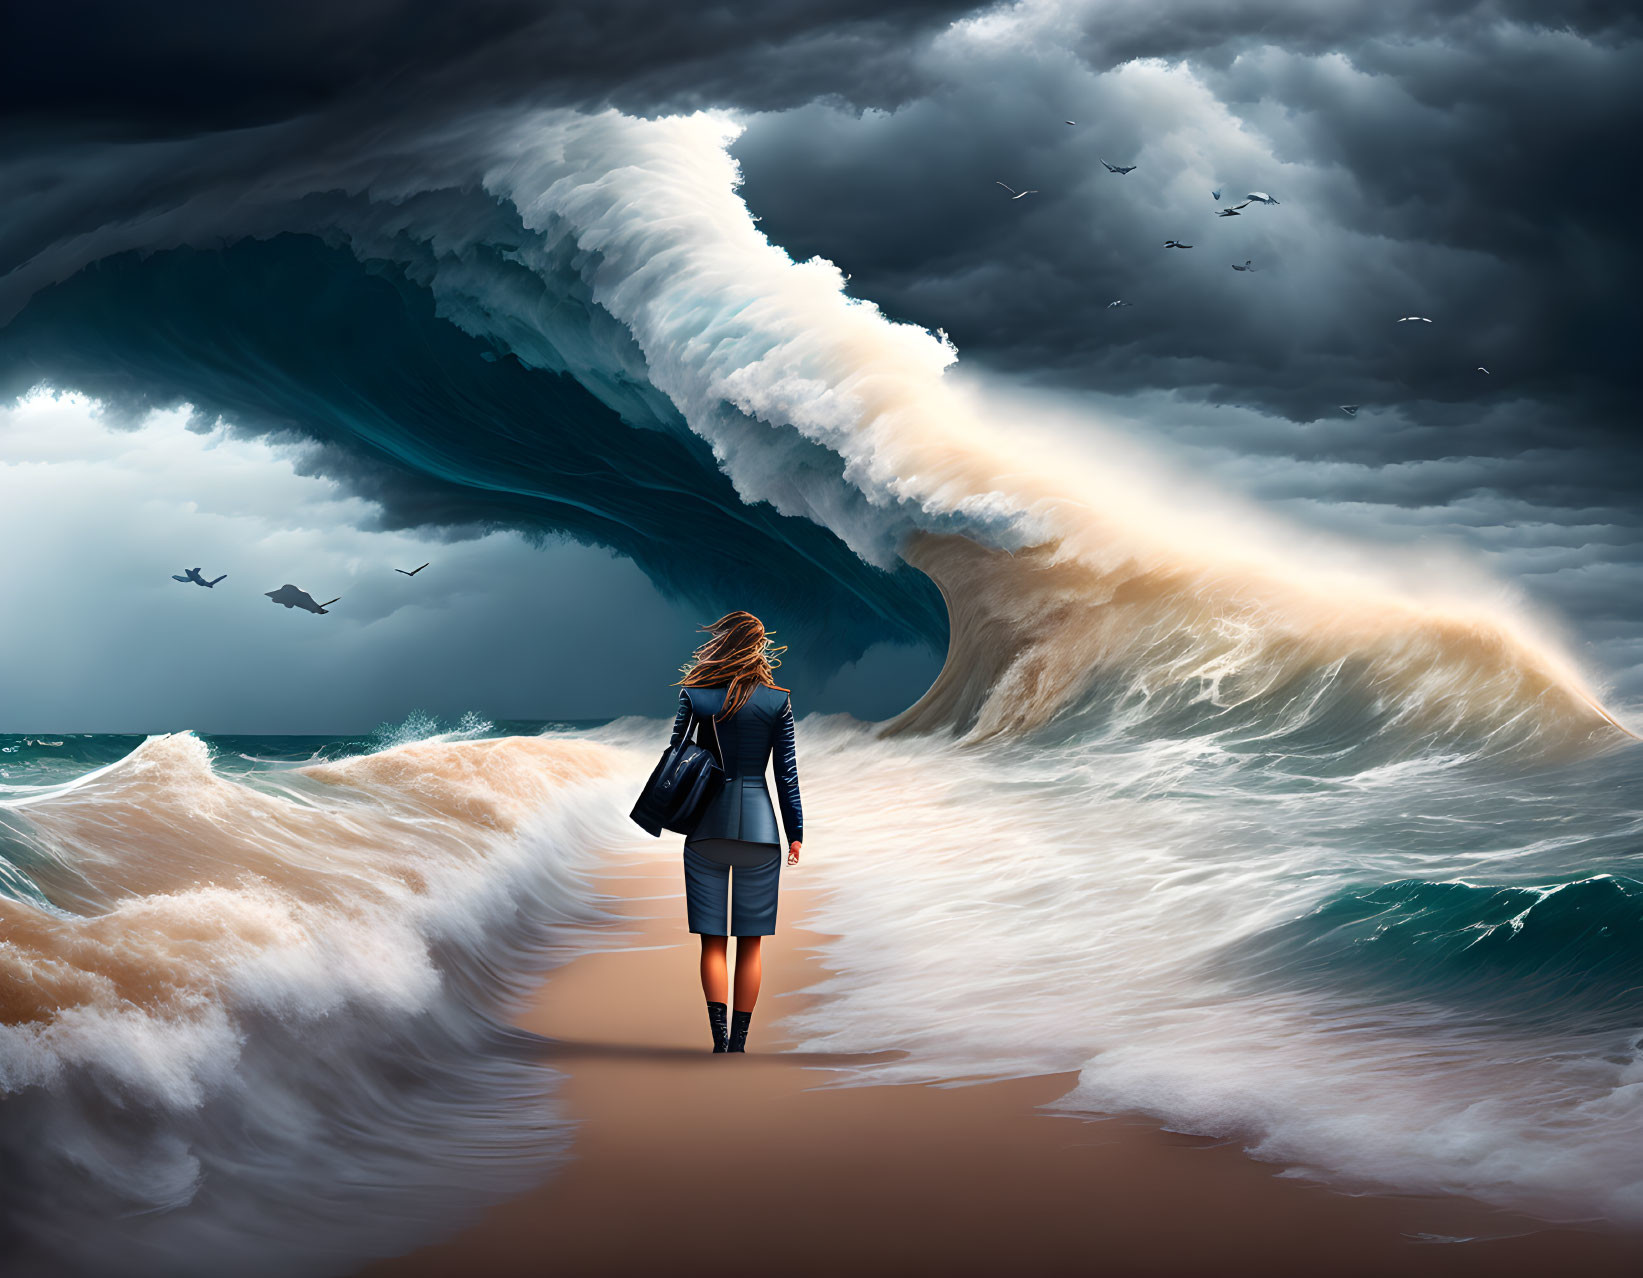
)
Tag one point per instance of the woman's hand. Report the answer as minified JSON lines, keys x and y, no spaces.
{"x":793,"y":852}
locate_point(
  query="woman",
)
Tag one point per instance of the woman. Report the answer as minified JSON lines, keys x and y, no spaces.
{"x":732,"y":858}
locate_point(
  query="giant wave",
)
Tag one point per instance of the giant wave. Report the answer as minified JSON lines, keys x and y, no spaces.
{"x":686,"y":351}
{"x":1257,"y":826}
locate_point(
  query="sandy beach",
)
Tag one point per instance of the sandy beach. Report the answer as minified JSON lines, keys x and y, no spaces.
{"x":688,"y":1163}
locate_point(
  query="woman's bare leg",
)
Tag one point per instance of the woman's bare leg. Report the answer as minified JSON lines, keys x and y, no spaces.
{"x":715,"y":979}
{"x":749,"y":971}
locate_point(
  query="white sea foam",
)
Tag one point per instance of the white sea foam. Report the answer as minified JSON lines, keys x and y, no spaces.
{"x":1009,"y":911}
{"x":267,"y":1011}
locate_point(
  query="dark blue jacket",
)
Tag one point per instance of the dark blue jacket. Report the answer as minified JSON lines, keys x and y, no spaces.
{"x":745,"y":742}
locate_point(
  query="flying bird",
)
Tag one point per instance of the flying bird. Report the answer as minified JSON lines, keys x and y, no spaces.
{"x":1072,"y":121}
{"x":291,"y":597}
{"x":1113,"y":306}
{"x":1245,"y":267}
{"x":1483,"y":370}
{"x":413,"y":571}
{"x":1407,"y":319}
{"x":1015,"y":194}
{"x":1351,"y":410}
{"x":1261,"y":197}
{"x":193,"y":574}
{"x":1217,"y":194}
{"x":1119,"y":169}
{"x":1233,"y":211}
{"x":1175,"y":244}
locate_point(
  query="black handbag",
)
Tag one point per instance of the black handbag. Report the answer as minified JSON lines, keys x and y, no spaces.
{"x":686,"y":780}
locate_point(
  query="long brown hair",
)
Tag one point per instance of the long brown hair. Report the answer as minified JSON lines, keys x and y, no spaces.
{"x":737,"y":654}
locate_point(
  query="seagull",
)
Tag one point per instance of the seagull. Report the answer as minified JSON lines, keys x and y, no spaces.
{"x":1261,"y":197}
{"x":1217,"y":194}
{"x":1414,"y":318}
{"x":1119,"y":169}
{"x":1015,"y":194}
{"x":1113,"y":306}
{"x":193,"y":574}
{"x":291,"y":597}
{"x":1233,"y":211}
{"x":1351,"y":410}
{"x":1483,"y":370}
{"x":1071,"y":122}
{"x":413,"y":571}
{"x":1245,"y":267}
{"x":1175,"y":244}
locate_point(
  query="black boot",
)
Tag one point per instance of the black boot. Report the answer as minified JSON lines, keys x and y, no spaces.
{"x":739,"y":1021}
{"x":716,"y":1019}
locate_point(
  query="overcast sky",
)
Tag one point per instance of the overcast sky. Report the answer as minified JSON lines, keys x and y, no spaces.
{"x":108,"y":642}
{"x":102,"y":639}
{"x":1459,"y":161}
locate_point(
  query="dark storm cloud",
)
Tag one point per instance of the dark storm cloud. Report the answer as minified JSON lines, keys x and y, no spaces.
{"x":1469,"y":174}
{"x":125,"y":114}
{"x":190,"y":64}
{"x":1213,"y":32}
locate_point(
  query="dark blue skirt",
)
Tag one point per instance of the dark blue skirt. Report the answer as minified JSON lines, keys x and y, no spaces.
{"x":724,"y":899}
